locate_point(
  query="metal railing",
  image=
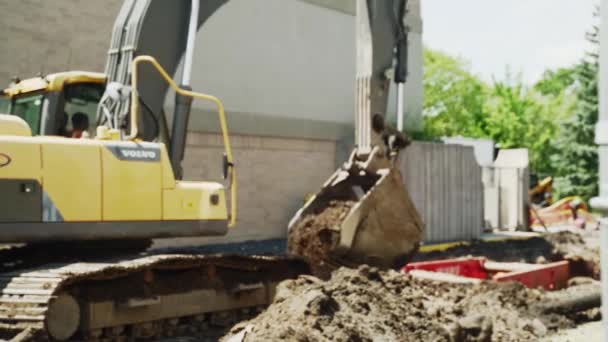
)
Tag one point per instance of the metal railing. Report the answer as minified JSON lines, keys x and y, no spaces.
{"x":220,"y":109}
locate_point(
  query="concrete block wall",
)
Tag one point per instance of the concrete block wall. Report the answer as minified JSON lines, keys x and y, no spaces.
{"x":273,"y":175}
{"x":52,"y":36}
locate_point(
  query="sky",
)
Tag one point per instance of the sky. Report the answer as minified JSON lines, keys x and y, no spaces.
{"x":526,"y":36}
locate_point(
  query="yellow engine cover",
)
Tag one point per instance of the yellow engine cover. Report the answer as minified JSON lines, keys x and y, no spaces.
{"x":53,"y":180}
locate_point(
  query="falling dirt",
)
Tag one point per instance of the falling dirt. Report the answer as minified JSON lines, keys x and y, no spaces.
{"x":314,"y":236}
{"x":371,"y":305}
{"x":584,"y":260}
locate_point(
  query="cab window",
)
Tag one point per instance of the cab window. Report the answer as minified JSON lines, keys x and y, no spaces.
{"x":29,"y":107}
{"x":5,"y":105}
{"x":82,"y":98}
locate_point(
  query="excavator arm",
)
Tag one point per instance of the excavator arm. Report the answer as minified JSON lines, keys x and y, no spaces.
{"x":381,"y":60}
{"x":380,"y":225}
{"x":165,"y":30}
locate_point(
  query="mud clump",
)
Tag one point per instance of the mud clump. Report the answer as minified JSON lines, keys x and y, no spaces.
{"x":314,"y":237}
{"x":365,"y":304}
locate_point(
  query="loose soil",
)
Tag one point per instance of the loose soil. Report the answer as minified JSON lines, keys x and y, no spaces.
{"x":371,"y":305}
{"x":314,"y":237}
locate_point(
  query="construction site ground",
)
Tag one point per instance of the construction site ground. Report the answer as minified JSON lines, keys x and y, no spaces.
{"x":367,"y":304}
{"x":587,"y":332}
{"x":371,"y":305}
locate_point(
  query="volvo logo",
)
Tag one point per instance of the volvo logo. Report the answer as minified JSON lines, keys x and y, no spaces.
{"x":5,"y":159}
{"x":138,"y":154}
{"x":145,"y":154}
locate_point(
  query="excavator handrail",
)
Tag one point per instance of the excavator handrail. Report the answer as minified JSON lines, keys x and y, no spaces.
{"x":220,"y":108}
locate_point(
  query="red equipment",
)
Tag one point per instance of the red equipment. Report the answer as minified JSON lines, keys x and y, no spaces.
{"x":551,"y":276}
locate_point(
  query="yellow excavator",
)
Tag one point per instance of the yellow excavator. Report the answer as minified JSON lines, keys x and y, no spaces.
{"x":73,"y":204}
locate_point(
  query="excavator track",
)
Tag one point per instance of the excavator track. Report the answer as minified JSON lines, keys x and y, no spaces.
{"x":19,"y":255}
{"x":139,"y":297}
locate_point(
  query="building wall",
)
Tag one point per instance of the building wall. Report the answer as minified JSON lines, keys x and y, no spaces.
{"x":277,"y":60}
{"x":273,"y":175}
{"x":297,"y":64}
{"x":51,"y":36}
{"x":301,"y":52}
{"x":346,"y":6}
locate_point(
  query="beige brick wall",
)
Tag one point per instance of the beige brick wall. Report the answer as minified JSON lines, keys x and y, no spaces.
{"x":273,"y":176}
{"x":54,"y":35}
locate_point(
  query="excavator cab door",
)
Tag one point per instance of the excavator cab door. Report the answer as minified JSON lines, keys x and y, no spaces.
{"x":5,"y":104}
{"x":29,"y":108}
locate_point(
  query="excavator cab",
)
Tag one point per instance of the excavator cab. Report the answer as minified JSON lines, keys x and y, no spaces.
{"x":47,"y":103}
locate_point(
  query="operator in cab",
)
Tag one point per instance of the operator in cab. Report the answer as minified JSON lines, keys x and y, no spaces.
{"x":80,"y":125}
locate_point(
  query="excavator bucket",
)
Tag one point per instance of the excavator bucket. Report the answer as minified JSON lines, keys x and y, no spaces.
{"x":358,"y":217}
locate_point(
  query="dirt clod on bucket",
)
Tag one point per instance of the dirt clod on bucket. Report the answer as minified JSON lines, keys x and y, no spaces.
{"x":314,"y":236}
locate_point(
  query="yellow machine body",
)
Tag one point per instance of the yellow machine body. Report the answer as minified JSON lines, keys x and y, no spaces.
{"x":120,"y":188}
{"x":58,"y":188}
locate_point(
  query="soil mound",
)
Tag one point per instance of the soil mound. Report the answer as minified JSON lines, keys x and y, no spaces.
{"x":584,"y":260}
{"x":370,"y":305}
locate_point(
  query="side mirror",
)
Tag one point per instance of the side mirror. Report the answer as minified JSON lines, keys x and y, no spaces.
{"x":225,"y":166}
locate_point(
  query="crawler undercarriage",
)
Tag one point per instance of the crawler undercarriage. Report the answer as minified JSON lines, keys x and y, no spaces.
{"x":134,"y":296}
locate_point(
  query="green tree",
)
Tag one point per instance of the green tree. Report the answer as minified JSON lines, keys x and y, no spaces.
{"x":576,"y":163}
{"x":454,"y":98}
{"x":520,"y":116}
{"x":555,"y":82}
{"x":457,"y":103}
{"x":555,"y":118}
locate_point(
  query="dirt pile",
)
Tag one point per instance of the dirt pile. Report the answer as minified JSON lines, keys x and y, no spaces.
{"x":314,"y":236}
{"x":584,"y":260}
{"x":369,"y":305}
